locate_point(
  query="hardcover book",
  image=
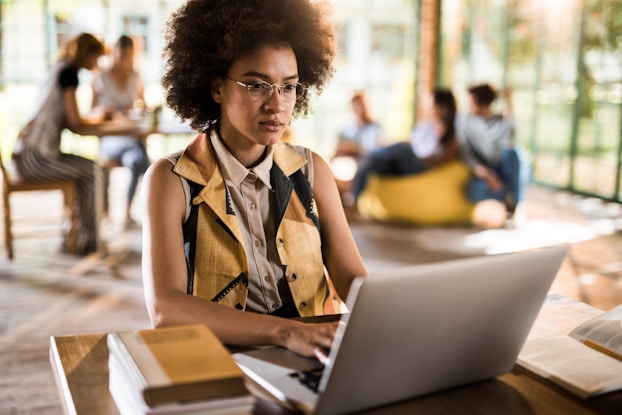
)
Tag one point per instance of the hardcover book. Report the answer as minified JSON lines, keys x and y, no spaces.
{"x":176,"y":364}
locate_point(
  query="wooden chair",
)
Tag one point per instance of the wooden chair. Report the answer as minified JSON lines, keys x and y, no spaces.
{"x":12,"y":184}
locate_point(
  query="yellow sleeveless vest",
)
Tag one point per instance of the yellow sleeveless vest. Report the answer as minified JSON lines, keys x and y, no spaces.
{"x":220,"y":269}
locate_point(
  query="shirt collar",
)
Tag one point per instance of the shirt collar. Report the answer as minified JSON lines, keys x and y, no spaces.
{"x":233,"y":171}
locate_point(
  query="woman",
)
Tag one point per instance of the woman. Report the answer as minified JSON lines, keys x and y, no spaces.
{"x":357,"y":139}
{"x":363,"y":134}
{"x":432,"y":143}
{"x":37,"y":155}
{"x":239,"y":228}
{"x":116,"y":90}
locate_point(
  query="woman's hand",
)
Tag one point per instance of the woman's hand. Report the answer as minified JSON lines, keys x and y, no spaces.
{"x":493,"y":182}
{"x":310,"y":340}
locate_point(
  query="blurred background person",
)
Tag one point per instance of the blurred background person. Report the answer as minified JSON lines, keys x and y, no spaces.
{"x":37,"y":155}
{"x":356,"y":140}
{"x":118,"y":91}
{"x":500,"y":169}
{"x":431,"y":143}
{"x":361,"y":135}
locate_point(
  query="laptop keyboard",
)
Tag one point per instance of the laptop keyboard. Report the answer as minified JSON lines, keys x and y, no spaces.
{"x":309,"y":378}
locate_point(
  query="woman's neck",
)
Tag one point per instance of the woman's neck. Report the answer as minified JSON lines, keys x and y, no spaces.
{"x":120,"y":74}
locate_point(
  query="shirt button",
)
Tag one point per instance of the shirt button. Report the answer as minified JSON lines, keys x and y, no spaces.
{"x":275,"y":306}
{"x":257,"y":244}
{"x":267,"y":278}
{"x":292,"y":277}
{"x":252,"y":206}
{"x":302,"y":306}
{"x":281,"y":242}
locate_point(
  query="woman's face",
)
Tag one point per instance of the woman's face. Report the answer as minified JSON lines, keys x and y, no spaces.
{"x":247,"y":123}
{"x":475,"y":108}
{"x":439,"y":115}
{"x":124,"y":57}
{"x":91,"y":61}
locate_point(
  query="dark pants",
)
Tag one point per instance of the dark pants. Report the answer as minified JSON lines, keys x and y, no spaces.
{"x":394,"y":160}
{"x":130,"y":152}
{"x":514,"y":173}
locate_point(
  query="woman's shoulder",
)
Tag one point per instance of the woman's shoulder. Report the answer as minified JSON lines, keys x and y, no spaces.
{"x":67,"y":74}
{"x":173,"y":158}
{"x":308,"y":167}
{"x":165,"y":164}
{"x":302,"y":150}
{"x":162,"y":171}
{"x":64,"y":66}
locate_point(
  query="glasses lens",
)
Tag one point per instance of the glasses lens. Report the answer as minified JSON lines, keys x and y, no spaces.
{"x":260,"y":90}
{"x":263,"y":90}
{"x":293,"y":91}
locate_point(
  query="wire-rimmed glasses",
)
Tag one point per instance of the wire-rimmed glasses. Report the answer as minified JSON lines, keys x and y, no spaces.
{"x":262,"y":90}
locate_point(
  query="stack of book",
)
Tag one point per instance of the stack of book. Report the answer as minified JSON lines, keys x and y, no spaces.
{"x":175,"y":370}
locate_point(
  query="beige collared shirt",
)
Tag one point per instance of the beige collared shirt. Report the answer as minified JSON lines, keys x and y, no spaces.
{"x":251,"y":198}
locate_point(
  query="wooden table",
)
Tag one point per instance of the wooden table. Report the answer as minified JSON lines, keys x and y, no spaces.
{"x":80,"y":365}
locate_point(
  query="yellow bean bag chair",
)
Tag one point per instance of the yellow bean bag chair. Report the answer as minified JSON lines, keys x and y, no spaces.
{"x":435,"y":197}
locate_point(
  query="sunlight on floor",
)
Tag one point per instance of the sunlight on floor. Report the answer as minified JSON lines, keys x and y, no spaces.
{"x":532,"y":234}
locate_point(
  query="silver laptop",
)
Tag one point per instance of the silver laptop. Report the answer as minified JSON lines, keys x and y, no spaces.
{"x":416,"y":330}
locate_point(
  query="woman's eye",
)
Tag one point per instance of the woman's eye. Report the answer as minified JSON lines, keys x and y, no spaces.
{"x":260,"y":86}
{"x":289,"y":87}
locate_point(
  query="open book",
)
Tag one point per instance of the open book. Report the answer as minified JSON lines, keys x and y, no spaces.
{"x":587,"y":361}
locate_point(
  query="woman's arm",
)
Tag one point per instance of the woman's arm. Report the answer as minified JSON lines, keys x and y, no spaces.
{"x":165,"y":279}
{"x":140,"y":92}
{"x":507,"y":100}
{"x":341,"y":256}
{"x":74,"y":121}
{"x":449,"y":151}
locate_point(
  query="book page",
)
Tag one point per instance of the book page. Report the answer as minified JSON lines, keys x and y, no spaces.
{"x":574,"y":366}
{"x":560,"y":315}
{"x":602,"y":332}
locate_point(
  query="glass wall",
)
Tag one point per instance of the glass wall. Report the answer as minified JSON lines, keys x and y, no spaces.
{"x":562,"y":60}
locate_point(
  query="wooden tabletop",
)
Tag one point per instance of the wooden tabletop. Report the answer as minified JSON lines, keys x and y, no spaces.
{"x":80,"y":364}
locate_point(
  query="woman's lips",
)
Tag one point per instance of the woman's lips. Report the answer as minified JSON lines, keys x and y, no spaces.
{"x":271,"y":125}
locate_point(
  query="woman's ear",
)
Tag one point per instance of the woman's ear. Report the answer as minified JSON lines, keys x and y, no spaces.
{"x":215,"y":89}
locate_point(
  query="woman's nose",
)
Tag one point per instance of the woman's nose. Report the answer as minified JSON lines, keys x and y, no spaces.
{"x":275,"y":103}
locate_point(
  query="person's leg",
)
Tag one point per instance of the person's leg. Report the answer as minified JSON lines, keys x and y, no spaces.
{"x":34,"y":167}
{"x":111,"y":150}
{"x":514,"y":171}
{"x":359,"y":182}
{"x":135,"y":158}
{"x":394,"y":160}
{"x":112,"y":147}
{"x":477,"y":190}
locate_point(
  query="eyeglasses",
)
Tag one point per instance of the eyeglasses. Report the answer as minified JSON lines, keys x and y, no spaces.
{"x":262,"y":91}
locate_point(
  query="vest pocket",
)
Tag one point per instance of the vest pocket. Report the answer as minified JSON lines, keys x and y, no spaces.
{"x":240,"y":279}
